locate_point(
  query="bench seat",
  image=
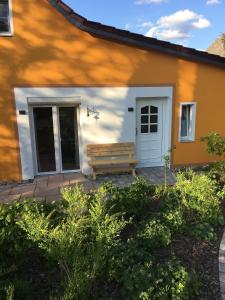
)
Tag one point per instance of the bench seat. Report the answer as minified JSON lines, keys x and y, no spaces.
{"x":100,"y":162}
{"x":111,"y":158}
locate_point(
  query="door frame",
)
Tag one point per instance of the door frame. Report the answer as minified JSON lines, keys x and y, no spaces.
{"x":57,"y":137}
{"x":166,"y":125}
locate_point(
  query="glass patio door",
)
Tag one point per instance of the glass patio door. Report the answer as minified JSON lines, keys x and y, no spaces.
{"x":56,"y":139}
{"x":69,"y":138}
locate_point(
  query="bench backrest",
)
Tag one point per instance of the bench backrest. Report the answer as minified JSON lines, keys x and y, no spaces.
{"x":110,"y":150}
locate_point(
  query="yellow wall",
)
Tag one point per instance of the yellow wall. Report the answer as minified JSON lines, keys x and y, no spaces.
{"x":47,"y":50}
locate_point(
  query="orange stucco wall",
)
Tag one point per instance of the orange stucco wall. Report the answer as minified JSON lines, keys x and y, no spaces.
{"x":47,"y":50}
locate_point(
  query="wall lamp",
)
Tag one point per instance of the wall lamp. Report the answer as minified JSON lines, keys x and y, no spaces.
{"x":91,"y":111}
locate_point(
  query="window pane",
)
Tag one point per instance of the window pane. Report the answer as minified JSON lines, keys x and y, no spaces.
{"x":69,"y":138}
{"x":144,"y":119}
{"x":154,"y":109}
{"x":4,"y":16}
{"x":144,"y":128}
{"x":154,"y":119}
{"x":4,"y":25}
{"x":145,"y":110}
{"x":4,"y":10}
{"x":154,"y":128}
{"x":44,"y":135}
{"x":185,"y":120}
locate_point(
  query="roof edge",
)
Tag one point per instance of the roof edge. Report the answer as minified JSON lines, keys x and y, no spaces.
{"x":133,"y":39}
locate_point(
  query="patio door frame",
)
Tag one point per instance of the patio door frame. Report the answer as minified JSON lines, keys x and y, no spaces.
{"x":57,"y":137}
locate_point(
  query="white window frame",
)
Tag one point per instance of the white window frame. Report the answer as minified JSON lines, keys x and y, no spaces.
{"x":191,"y":135}
{"x":11,"y":29}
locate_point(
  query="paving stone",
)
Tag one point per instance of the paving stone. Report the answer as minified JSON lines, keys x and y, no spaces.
{"x":23,"y":189}
{"x":53,"y":198}
{"x":46,"y":192}
{"x":222,"y":267}
{"x":74,"y":176}
{"x":47,"y":186}
{"x":9,"y":198}
{"x":39,"y":198}
{"x":222,"y":287}
{"x":55,"y":178}
{"x":222,"y":256}
{"x":222,"y":277}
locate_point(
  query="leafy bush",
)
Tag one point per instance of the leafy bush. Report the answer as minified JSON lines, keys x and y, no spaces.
{"x":80,"y":241}
{"x":203,"y":231}
{"x":12,"y":238}
{"x":134,"y":201}
{"x":156,"y":234}
{"x":215,"y":143}
{"x":199,"y":196}
{"x":107,"y":243}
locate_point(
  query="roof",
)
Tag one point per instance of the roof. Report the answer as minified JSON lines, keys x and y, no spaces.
{"x":134,"y":39}
{"x":218,"y":46}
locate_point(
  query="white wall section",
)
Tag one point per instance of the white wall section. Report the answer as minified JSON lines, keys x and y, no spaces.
{"x":115,"y":123}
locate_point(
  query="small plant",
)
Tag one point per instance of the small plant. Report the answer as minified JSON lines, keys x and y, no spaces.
{"x":156,"y":234}
{"x":215,"y":143}
{"x":166,"y":159}
{"x":199,"y":196}
{"x":9,"y":291}
{"x":203,"y":231}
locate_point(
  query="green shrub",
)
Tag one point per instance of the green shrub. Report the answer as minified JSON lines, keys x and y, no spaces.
{"x":203,"y":231}
{"x":170,"y":209}
{"x":217,"y":171}
{"x":134,"y":201}
{"x":215,"y":143}
{"x":12,"y":239}
{"x":155,"y":234}
{"x":199,"y":196}
{"x":80,"y":241}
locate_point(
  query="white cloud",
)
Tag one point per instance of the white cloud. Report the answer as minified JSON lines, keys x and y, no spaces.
{"x":145,"y":25}
{"x":139,"y":26}
{"x":128,"y":26}
{"x":212,"y":2}
{"x":150,"y":1}
{"x":178,"y":26}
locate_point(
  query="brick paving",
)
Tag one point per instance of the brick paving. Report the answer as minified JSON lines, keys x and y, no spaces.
{"x":48,"y":187}
{"x":222,"y":266}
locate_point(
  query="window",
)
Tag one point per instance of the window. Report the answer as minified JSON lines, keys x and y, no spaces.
{"x":149,"y":119}
{"x":5,"y":17}
{"x":187,"y":122}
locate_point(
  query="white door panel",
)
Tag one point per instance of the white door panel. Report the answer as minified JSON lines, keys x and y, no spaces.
{"x":149,"y":150}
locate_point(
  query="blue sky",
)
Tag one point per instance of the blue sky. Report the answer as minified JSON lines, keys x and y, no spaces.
{"x":194,"y":23}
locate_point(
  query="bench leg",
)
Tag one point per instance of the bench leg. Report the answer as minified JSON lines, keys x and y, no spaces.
{"x":133,"y":171}
{"x":94,"y":174}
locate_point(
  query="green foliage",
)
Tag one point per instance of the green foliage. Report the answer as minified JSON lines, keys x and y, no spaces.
{"x":156,"y":234}
{"x":217,"y":171}
{"x":215,"y":143}
{"x":199,"y":196}
{"x":80,"y":241}
{"x":9,"y":292}
{"x":203,"y":231}
{"x":133,"y":201}
{"x":166,"y":159}
{"x":109,"y":241}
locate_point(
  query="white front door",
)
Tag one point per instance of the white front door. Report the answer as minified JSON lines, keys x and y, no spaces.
{"x":149,"y":139}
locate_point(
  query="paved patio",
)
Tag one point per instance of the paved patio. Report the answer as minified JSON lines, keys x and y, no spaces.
{"x":48,"y":187}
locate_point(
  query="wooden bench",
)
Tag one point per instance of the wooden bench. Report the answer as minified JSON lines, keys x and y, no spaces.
{"x":111,"y":158}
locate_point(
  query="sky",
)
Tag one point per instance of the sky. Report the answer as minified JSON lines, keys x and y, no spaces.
{"x":193,"y":23}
